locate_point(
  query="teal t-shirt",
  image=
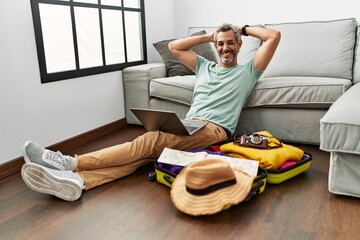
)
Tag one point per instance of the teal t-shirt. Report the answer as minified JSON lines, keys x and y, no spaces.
{"x":220,"y":93}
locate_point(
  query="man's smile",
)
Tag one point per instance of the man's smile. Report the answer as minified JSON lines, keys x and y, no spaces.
{"x":227,"y":56}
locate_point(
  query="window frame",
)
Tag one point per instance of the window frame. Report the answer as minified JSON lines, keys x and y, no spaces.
{"x":69,"y":74}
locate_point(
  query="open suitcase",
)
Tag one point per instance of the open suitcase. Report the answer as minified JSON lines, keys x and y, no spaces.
{"x":166,"y":174}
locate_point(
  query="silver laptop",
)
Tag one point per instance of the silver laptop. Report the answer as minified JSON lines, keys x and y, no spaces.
{"x":166,"y":121}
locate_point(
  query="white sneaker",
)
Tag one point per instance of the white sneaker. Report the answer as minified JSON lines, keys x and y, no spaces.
{"x":35,"y":153}
{"x":66,"y":185}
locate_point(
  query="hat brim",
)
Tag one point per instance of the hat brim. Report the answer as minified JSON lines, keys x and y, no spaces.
{"x":213,"y":202}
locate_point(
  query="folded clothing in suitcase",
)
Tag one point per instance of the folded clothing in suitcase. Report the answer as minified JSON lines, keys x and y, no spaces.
{"x":282,"y":161}
{"x":280,"y":175}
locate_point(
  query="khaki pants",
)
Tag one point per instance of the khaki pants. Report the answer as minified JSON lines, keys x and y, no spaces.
{"x":111,"y":163}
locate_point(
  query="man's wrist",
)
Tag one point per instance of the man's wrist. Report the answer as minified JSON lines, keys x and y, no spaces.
{"x":243,"y":30}
{"x":211,"y":37}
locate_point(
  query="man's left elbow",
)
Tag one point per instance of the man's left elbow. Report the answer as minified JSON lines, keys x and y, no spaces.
{"x":277,"y":35}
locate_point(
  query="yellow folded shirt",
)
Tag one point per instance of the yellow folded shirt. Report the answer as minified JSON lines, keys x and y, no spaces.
{"x":271,"y":158}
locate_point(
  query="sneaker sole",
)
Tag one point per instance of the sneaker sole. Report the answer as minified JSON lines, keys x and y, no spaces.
{"x":39,"y":179}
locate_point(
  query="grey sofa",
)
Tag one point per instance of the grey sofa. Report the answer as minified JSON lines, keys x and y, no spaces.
{"x":314,"y":65}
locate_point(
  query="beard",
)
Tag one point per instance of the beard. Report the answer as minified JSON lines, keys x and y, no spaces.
{"x":228,"y":59}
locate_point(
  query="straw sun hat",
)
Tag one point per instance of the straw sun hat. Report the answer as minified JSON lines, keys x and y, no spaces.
{"x":208,"y":186}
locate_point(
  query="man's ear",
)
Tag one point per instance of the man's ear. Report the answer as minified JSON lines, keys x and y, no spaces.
{"x":240,"y":44}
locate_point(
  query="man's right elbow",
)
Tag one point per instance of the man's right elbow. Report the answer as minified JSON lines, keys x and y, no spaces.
{"x":170,"y":46}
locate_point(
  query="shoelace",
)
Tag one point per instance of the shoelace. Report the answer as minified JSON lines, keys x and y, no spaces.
{"x":57,"y":159}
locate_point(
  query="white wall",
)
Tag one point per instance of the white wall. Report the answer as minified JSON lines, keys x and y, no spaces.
{"x":201,"y":13}
{"x":160,"y":24}
{"x":52,"y":112}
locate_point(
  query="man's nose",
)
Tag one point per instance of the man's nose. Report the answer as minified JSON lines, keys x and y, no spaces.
{"x":226,"y":46}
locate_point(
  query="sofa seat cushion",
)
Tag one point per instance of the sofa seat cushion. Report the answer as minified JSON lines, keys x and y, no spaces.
{"x":177,"y":89}
{"x":340,"y":127}
{"x":297,"y":92}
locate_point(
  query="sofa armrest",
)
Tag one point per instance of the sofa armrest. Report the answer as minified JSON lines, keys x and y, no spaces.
{"x":340,"y":126}
{"x":136,"y":81}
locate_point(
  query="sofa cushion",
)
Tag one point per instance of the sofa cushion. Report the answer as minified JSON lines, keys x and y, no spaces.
{"x":299,"y":125}
{"x":177,"y":89}
{"x":301,"y":92}
{"x":319,"y":48}
{"x":357,"y":58}
{"x":173,"y":66}
{"x":340,"y":127}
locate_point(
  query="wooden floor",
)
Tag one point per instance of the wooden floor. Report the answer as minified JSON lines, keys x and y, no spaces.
{"x":135,"y":208}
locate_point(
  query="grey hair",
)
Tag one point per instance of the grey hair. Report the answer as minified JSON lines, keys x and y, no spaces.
{"x":228,"y":27}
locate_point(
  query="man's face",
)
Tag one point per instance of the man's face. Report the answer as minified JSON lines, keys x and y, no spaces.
{"x":227,"y":48}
